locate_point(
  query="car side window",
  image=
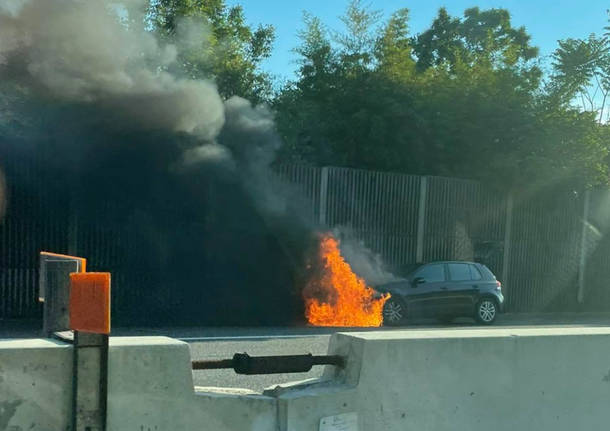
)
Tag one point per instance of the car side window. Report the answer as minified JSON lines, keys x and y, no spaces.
{"x":459,"y":271}
{"x":432,"y":273}
{"x":475,"y":274}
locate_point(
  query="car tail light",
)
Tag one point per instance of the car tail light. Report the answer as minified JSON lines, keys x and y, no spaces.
{"x":498,"y":285}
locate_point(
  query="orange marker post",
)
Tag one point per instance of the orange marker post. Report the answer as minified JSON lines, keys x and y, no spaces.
{"x":90,"y":302}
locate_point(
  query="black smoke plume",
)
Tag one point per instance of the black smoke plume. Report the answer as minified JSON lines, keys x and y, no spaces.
{"x":169,"y":185}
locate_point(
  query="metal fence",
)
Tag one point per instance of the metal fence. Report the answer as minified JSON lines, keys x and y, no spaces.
{"x":28,"y":227}
{"x":545,"y":250}
{"x":596,"y":250}
{"x":463,"y":221}
{"x":374,"y":207}
{"x":549,"y":248}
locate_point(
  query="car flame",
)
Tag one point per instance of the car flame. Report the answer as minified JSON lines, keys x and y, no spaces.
{"x":336,"y":296}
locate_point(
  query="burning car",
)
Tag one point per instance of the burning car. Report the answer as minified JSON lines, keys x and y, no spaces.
{"x":444,"y":290}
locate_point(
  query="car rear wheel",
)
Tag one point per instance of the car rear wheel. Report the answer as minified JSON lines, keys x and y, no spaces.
{"x":486,"y":311}
{"x":394,"y":312}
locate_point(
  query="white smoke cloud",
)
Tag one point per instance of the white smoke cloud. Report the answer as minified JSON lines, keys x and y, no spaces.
{"x":82,"y":51}
{"x":363,"y":261}
{"x":207,"y":153}
{"x":11,"y":7}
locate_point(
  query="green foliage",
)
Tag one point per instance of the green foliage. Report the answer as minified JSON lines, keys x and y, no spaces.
{"x":463,"y":98}
{"x":581,"y":71}
{"x":215,"y":42}
{"x":393,"y":49}
{"x":358,"y":40}
{"x":482,"y":36}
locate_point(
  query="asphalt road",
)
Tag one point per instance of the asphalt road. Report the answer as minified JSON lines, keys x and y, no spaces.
{"x":222,"y":343}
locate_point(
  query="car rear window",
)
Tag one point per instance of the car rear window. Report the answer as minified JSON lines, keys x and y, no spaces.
{"x":487,"y":274}
{"x":475,"y":274}
{"x":459,"y":271}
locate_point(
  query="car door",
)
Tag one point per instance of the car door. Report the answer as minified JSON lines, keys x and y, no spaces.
{"x":422,"y":298}
{"x":462,"y":286}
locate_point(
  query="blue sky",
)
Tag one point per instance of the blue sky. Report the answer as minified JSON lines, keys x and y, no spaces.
{"x":546,"y":20}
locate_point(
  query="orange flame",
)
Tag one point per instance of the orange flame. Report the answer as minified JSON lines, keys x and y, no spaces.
{"x":339,"y":297}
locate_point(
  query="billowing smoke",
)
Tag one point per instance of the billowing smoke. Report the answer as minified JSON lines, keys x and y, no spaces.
{"x":250,"y":134}
{"x":178,"y":178}
{"x":364,"y":262}
{"x":82,"y":51}
{"x":90,"y":53}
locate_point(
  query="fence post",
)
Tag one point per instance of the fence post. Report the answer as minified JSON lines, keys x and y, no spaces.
{"x":323,"y":195}
{"x":72,"y":224}
{"x":507,"y":238}
{"x":72,"y":233}
{"x":421,"y":219}
{"x":582,"y":264}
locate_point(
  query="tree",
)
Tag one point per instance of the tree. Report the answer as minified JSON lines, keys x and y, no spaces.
{"x":393,"y":50}
{"x":483,"y":38}
{"x":337,"y":111}
{"x":215,"y":42}
{"x":461,"y":99}
{"x":357,"y":42}
{"x":581,"y":71}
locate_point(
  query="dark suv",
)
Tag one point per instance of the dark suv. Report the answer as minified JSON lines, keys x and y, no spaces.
{"x":445,"y":290}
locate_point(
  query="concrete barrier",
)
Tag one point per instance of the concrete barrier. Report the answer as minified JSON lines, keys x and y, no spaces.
{"x":35,"y":385}
{"x":150,"y":388}
{"x":501,"y":379}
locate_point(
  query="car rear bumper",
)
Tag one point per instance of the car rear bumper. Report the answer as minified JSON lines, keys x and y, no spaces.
{"x":500,"y":299}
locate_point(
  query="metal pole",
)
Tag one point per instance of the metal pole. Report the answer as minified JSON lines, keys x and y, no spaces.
{"x":421,"y":219}
{"x":507,"y":238}
{"x":583,"y":248}
{"x":323,"y":195}
{"x":243,"y":363}
{"x":89,"y":381}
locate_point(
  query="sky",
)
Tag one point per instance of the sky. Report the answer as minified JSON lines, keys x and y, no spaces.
{"x":545,"y":20}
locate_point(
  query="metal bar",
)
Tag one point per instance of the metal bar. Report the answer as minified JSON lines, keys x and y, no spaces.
{"x":213,"y":364}
{"x":243,"y":363}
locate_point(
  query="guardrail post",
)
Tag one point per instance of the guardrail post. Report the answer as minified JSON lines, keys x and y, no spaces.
{"x":90,"y":381}
{"x":90,"y":321}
